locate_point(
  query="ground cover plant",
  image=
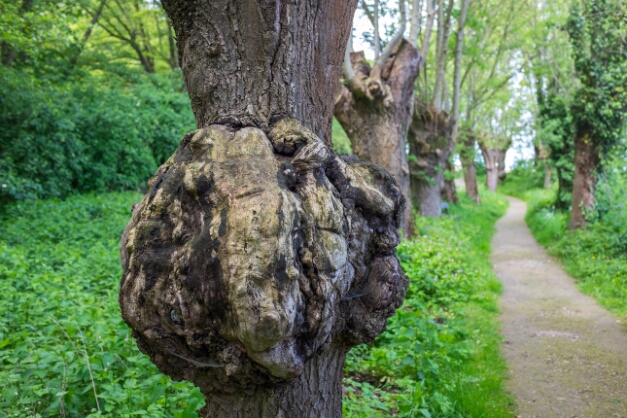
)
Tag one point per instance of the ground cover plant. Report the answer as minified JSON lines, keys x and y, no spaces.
{"x":440,"y":354}
{"x":62,"y":339}
{"x":596,"y":256}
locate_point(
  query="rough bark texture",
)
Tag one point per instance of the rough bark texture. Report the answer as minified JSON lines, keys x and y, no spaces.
{"x":258,"y":256}
{"x":375,"y":110}
{"x":449,"y":191}
{"x":586,"y":164}
{"x":247,"y":62}
{"x":467,"y":156}
{"x":430,"y":145}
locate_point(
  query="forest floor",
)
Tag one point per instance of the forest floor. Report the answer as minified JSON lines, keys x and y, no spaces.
{"x":567,"y":356}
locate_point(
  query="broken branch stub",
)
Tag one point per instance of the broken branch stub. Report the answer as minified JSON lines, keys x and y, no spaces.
{"x":251,"y":253}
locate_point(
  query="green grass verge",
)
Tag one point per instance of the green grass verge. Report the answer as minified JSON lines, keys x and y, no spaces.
{"x":62,"y":337}
{"x":596,"y":257}
{"x":440,"y":355}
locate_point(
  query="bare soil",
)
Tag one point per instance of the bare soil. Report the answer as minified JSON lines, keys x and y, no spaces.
{"x":567,"y":355}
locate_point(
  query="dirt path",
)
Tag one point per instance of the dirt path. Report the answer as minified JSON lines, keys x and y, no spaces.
{"x":567,"y":356}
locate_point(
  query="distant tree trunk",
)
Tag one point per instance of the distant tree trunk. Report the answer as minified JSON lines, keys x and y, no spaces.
{"x":375,"y":110}
{"x":490,"y":158}
{"x":258,"y":258}
{"x":586,"y":165}
{"x":449,"y":191}
{"x":467,"y":156}
{"x":94,"y":21}
{"x":173,"y":59}
{"x":548,"y":173}
{"x":501,"y":163}
{"x":430,"y":146}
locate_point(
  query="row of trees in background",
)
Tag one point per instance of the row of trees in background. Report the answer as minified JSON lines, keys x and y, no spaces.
{"x":451,"y":80}
{"x":473,"y":78}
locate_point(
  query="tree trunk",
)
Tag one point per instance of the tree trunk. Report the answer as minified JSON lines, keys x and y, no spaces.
{"x":586,"y":164}
{"x":430,"y":145}
{"x":490,"y":158}
{"x":315,"y":393}
{"x":449,"y":191}
{"x":548,"y":173}
{"x":501,"y":164}
{"x":259,"y":257}
{"x":467,"y":156}
{"x":375,"y":113}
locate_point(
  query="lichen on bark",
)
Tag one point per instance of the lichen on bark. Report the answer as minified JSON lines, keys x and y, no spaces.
{"x":251,"y":253}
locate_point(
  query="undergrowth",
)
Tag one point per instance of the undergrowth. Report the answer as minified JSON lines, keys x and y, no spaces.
{"x":440,"y":354}
{"x":62,"y":340}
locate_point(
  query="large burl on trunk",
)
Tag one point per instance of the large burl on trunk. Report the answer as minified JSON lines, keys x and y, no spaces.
{"x":430,"y":145}
{"x":259,"y":257}
{"x":375,"y":107}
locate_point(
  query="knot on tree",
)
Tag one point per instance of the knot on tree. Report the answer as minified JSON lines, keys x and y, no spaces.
{"x":251,"y":253}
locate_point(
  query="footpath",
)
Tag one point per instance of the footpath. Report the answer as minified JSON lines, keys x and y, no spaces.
{"x":567,"y":356}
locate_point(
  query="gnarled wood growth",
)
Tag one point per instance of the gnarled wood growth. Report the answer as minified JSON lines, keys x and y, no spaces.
{"x":430,"y":145}
{"x":258,"y":258}
{"x":374,"y":108}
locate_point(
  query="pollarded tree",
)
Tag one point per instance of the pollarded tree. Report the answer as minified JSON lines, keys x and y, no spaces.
{"x":374,"y":105}
{"x":598,"y":33}
{"x":258,"y":258}
{"x":431,"y":130}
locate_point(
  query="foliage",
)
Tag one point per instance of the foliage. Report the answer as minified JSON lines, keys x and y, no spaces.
{"x":86,"y":134}
{"x":341,"y":143}
{"x":440,"y":354}
{"x":61,"y":336}
{"x":556,"y":133}
{"x":524,"y":176}
{"x":598,"y":33}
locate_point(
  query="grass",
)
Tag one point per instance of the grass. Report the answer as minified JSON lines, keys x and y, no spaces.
{"x":440,"y":355}
{"x":65,"y":351}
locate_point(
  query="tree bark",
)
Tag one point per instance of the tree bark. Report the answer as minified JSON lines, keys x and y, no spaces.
{"x":449,"y":191}
{"x":230,"y":66}
{"x":467,"y":156}
{"x":259,"y":257}
{"x":490,"y":158}
{"x":375,"y":110}
{"x":430,"y":145}
{"x":548,"y":173}
{"x":500,"y":162}
{"x":586,"y":165}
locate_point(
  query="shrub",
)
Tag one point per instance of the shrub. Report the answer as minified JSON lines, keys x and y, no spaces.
{"x":85,"y":135}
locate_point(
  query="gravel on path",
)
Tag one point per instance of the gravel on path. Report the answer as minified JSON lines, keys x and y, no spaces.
{"x":567,"y":356}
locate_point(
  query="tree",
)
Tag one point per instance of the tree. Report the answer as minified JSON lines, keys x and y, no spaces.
{"x":493,"y":150}
{"x":258,"y":256}
{"x":431,"y":131}
{"x":598,"y":33}
{"x":374,"y":104}
{"x":467,"y":155}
